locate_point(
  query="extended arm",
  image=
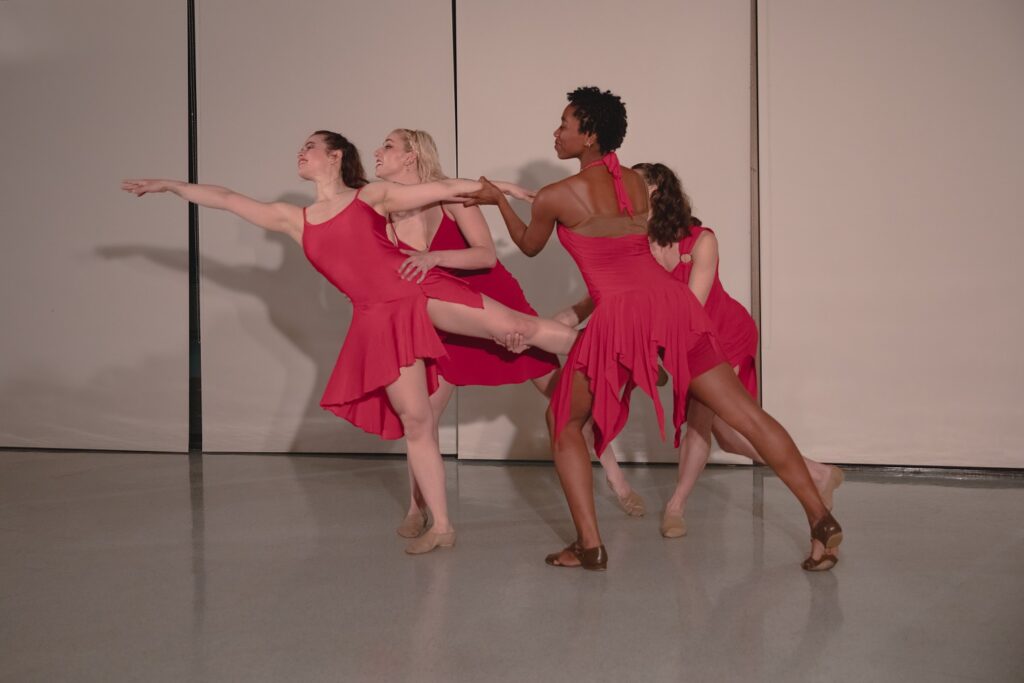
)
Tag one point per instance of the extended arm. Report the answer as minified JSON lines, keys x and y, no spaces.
{"x":529,"y":238}
{"x":388,"y":197}
{"x":276,"y":216}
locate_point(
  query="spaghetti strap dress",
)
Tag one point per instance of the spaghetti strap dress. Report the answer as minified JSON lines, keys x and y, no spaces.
{"x":734,"y":326}
{"x":479,"y":362}
{"x":641,"y":312}
{"x":390,"y":326}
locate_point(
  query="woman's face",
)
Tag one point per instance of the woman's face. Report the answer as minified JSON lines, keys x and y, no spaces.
{"x":391,"y":158}
{"x":314,"y":159}
{"x":569,"y":141}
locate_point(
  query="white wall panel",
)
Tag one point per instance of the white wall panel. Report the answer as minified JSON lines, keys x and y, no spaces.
{"x":94,"y":343}
{"x":891,"y":168}
{"x":270,"y":74}
{"x":683,"y":70}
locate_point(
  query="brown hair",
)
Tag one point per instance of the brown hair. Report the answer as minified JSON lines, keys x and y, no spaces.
{"x":671,"y":212}
{"x":352,"y":173}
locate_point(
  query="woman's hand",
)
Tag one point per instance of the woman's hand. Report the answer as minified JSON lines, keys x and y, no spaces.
{"x":491,"y":193}
{"x":139,"y":187}
{"x":419,"y":263}
{"x":513,"y":342}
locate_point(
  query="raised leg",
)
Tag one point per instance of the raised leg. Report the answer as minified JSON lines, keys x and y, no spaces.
{"x":497,"y":321}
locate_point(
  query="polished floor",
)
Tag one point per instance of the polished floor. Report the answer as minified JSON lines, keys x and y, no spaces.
{"x":147,"y":567}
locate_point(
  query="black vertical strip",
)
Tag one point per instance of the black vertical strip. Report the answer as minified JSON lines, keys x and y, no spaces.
{"x":195,"y":394}
{"x":755,"y":193}
{"x":455,"y":83}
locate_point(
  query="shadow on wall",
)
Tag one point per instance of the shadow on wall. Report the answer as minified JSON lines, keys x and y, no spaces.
{"x":307,"y":323}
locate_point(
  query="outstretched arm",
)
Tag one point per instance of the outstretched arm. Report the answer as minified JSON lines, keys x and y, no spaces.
{"x":529,"y":238}
{"x":388,"y":197}
{"x":276,"y":216}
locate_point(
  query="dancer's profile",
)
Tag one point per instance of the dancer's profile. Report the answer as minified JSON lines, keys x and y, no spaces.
{"x":386,"y":368}
{"x":640,"y":311}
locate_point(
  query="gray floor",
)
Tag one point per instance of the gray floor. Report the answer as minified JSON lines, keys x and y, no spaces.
{"x":143,"y":567}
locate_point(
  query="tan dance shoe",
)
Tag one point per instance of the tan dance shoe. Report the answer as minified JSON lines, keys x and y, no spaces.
{"x":429,"y":541}
{"x":672,"y":526}
{"x":413,"y":525}
{"x":632,"y":503}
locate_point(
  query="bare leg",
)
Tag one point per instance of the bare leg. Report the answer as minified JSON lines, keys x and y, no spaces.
{"x":572,"y":461}
{"x":415,"y":517}
{"x":693,"y":455}
{"x":630,"y":501}
{"x":496,"y":321}
{"x":827,"y":478}
{"x":408,"y":397}
{"x":722,"y":392}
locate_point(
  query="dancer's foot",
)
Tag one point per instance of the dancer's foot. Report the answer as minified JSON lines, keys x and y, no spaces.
{"x":414,"y":524}
{"x":575,"y":555}
{"x":831,"y":483}
{"x":672,"y":524}
{"x":826,"y":535}
{"x":631,"y":502}
{"x":430,"y":540}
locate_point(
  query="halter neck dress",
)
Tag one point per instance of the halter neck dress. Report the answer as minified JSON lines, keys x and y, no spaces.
{"x":734,"y":326}
{"x":390,"y":326}
{"x":641,"y":312}
{"x":472,"y":361}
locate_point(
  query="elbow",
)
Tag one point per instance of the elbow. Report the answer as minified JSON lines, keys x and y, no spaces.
{"x":530,"y":251}
{"x":489,"y":261}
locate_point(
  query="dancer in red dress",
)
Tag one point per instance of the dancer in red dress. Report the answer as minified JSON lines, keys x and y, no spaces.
{"x":456,"y":238}
{"x":640,"y":312}
{"x":386,"y":368}
{"x":689,"y":251}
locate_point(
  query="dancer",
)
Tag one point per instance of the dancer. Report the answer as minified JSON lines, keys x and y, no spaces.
{"x":640,"y":311}
{"x":386,"y":367}
{"x":689,"y":251}
{"x":457,"y":239}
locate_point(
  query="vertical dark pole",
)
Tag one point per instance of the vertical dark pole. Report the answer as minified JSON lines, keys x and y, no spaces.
{"x":455,"y":84}
{"x":755,"y":193}
{"x":195,"y":395}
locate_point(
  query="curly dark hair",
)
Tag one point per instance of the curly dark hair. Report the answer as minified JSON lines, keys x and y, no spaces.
{"x":352,"y":173}
{"x":671,"y":212}
{"x":601,"y":113}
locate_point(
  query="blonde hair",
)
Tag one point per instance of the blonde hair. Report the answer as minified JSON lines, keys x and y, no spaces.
{"x":419,"y":142}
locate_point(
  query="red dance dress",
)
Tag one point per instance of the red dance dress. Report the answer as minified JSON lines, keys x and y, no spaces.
{"x":734,"y":326}
{"x":390,"y":326}
{"x":640,"y":312}
{"x":472,"y":361}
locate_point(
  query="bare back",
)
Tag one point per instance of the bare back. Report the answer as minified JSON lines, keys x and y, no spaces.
{"x":586,"y":203}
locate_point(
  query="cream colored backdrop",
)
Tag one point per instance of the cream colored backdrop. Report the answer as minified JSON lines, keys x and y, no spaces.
{"x":683,"y":69}
{"x":892,"y":162}
{"x":270,"y":74}
{"x":94,"y":343}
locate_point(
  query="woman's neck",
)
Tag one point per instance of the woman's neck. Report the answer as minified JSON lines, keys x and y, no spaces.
{"x":328,"y":189}
{"x":589,"y":156}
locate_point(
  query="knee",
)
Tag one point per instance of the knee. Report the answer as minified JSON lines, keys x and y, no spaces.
{"x":417,"y":424}
{"x":570,"y":436}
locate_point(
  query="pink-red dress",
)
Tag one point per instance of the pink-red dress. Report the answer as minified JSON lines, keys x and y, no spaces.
{"x":390,"y":326}
{"x":734,"y":326}
{"x":641,"y":311}
{"x":472,"y":361}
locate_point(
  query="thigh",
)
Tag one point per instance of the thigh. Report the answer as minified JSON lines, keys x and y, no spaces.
{"x":720,"y":390}
{"x":493,"y":320}
{"x":408,"y":395}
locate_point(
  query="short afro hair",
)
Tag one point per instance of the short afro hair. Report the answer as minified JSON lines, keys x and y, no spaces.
{"x":601,"y":113}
